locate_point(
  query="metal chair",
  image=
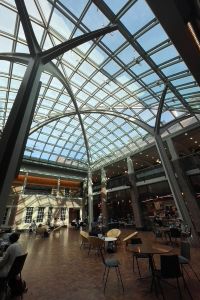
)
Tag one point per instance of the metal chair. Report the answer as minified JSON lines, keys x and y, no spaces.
{"x":184,"y":258}
{"x":136,"y":256}
{"x":96,"y":244}
{"x":84,"y":238}
{"x":15,"y":270}
{"x":175,"y":233}
{"x":170,"y":269}
{"x":111,"y":263}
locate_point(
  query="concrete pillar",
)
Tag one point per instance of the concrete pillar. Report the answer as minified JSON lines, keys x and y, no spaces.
{"x":90,"y":200}
{"x":25,"y":183}
{"x":175,"y":189}
{"x":186,"y":187}
{"x":104,"y":197}
{"x":134,"y":195}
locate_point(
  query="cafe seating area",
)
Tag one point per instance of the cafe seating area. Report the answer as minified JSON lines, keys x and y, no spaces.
{"x":77,"y":275}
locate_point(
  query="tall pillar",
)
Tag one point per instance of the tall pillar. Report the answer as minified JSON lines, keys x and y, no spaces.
{"x":90,"y":200}
{"x":58,"y":188}
{"x":185,"y":187}
{"x":84,"y":200}
{"x":104,"y":197}
{"x":134,"y":195}
{"x":175,"y":189}
{"x":25,"y":183}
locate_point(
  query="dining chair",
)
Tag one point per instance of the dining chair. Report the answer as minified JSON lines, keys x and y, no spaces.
{"x":175,"y":233}
{"x":170,"y":269}
{"x":109,"y":264}
{"x":128,"y":238}
{"x":84,"y":238}
{"x":115,"y":232}
{"x":15,"y":270}
{"x":184,"y":258}
{"x":96,"y":244}
{"x":136,"y":256}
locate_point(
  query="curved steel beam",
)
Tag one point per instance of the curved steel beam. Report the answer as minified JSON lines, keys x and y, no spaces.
{"x":15,"y":57}
{"x":28,"y":30}
{"x":57,"y":50}
{"x":136,"y":121}
{"x":160,"y":108}
{"x":174,"y":122}
{"x":51,"y":67}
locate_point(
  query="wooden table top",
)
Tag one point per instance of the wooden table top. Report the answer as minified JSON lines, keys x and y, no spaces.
{"x":148,"y":248}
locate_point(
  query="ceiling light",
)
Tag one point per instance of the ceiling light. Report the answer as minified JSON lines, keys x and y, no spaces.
{"x":186,"y":133}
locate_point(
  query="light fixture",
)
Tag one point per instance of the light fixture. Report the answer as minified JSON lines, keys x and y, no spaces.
{"x":193,"y":33}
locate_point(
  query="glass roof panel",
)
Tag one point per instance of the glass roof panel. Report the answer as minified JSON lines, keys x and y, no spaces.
{"x":137,"y":16}
{"x":111,"y":83}
{"x":32,"y":10}
{"x":7,"y":19}
{"x":116,"y":5}
{"x":76,"y":7}
{"x":153,"y":37}
{"x":94,"y":18}
{"x":113,"y":40}
{"x":61,"y":24}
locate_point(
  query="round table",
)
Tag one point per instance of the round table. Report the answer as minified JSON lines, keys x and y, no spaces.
{"x":109,"y":239}
{"x":150,"y":249}
{"x":109,"y":243}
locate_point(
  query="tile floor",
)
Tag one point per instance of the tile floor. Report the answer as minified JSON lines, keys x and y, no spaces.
{"x":57,"y":269}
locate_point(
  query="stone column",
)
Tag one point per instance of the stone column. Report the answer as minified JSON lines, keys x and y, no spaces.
{"x":104,"y":197}
{"x":90,"y":200}
{"x":134,"y":195}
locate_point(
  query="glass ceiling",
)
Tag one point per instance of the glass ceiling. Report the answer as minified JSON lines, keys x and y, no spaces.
{"x":113,"y":83}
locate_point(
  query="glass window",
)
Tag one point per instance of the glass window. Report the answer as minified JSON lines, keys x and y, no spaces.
{"x":63,"y":213}
{"x":4,"y":221}
{"x":40,"y":215}
{"x":29,"y":214}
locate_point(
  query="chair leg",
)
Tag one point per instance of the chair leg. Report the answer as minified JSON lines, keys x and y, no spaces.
{"x":179,"y":289}
{"x":194,"y":271}
{"x":105,"y":283}
{"x":133,"y":262}
{"x":138,"y":266}
{"x":187,"y":287}
{"x":120,"y":277}
{"x":161,"y":289}
{"x":104,"y":273}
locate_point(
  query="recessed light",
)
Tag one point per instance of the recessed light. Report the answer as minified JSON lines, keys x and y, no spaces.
{"x":186,"y":133}
{"x":191,"y":138}
{"x":195,"y":142}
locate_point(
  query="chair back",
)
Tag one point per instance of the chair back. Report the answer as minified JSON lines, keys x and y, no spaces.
{"x":185,"y":249}
{"x":17,"y":266}
{"x":84,"y":234}
{"x":115,"y":232}
{"x":170,"y":267}
{"x":95,"y":242}
{"x":102,"y":256}
{"x":175,"y":232}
